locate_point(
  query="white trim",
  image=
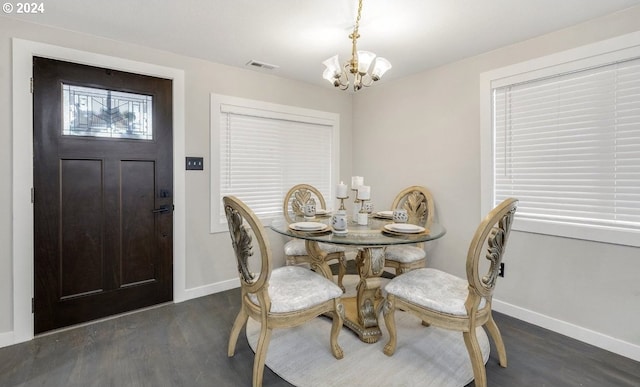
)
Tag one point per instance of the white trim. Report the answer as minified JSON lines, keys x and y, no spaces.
{"x":590,"y":55}
{"x":220,"y":103}
{"x":579,"y":231}
{"x":585,"y":335}
{"x":216,"y":287}
{"x":22,"y":219}
{"x":594,"y":54}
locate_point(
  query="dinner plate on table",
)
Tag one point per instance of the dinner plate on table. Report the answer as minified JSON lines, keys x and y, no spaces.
{"x":308,"y":226}
{"x":384,"y":214}
{"x":323,"y":212}
{"x":404,"y":228}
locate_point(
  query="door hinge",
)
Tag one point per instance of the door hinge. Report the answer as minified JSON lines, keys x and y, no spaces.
{"x":31,"y":85}
{"x":33,"y":196}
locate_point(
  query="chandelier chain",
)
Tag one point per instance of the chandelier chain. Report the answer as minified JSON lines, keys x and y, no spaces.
{"x":353,"y":65}
{"x":357,"y":25}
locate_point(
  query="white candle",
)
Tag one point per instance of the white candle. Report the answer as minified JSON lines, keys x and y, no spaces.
{"x":364,"y":192}
{"x":356,"y":181}
{"x":341,"y":191}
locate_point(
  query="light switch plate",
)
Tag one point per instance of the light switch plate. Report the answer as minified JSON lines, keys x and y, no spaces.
{"x":195,"y":163}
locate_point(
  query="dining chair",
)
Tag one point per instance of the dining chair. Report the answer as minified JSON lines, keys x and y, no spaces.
{"x":295,"y":250}
{"x":418,"y":202}
{"x":444,"y":300}
{"x":284,"y":297}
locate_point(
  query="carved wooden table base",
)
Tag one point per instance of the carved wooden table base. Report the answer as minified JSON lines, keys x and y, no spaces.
{"x":361,"y":312}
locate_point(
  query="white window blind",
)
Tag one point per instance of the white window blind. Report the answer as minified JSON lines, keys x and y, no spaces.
{"x":262,"y":154}
{"x":568,"y":146}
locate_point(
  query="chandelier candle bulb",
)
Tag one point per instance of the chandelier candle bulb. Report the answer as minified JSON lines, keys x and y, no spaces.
{"x":364,"y":192}
{"x":341,"y":190}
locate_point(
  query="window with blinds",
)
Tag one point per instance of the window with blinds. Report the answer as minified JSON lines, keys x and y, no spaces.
{"x":264,"y":149}
{"x":568,"y":147}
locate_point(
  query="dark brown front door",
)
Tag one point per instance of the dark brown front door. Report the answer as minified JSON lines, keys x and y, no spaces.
{"x":103,"y":202}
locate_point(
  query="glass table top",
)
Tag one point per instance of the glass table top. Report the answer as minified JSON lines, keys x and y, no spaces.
{"x":369,"y":235}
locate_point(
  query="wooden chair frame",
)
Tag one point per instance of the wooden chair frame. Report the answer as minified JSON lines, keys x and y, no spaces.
{"x":292,"y":207}
{"x":418,"y":201}
{"x":237,"y":214}
{"x":492,"y":234}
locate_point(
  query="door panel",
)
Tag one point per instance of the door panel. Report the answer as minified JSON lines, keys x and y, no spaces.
{"x":101,"y":248}
{"x":138,"y":222}
{"x":81,"y":236}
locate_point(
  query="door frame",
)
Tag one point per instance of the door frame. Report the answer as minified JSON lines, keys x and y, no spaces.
{"x":23,"y":52}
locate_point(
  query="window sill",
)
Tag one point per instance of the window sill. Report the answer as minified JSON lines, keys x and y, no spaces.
{"x":577,"y":231}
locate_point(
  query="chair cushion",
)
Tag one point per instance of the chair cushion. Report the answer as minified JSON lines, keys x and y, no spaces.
{"x":297,"y":247}
{"x":404,"y":254}
{"x":293,"y":288}
{"x":432,"y":289}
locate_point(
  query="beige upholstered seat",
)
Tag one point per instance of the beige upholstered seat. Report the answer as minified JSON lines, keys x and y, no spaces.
{"x":418,"y":202}
{"x":277,"y":298}
{"x":295,"y":250}
{"x":444,"y":300}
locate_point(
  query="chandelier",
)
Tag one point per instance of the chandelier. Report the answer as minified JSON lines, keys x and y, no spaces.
{"x":362,"y":70}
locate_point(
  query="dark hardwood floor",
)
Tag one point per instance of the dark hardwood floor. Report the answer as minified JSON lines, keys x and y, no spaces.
{"x":186,"y":345}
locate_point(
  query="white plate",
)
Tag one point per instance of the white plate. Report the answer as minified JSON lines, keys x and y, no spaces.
{"x":321,"y":211}
{"x":404,"y":228}
{"x":308,"y":226}
{"x":385,"y":214}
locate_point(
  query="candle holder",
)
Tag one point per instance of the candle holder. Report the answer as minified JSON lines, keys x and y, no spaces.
{"x":363,"y":214}
{"x":342,"y":207}
{"x":356,"y":206}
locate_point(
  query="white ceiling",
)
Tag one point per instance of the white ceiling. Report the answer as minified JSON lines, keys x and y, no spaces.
{"x":297,"y":35}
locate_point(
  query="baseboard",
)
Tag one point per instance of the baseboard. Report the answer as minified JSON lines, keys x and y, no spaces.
{"x":7,"y":339}
{"x":206,"y":290}
{"x":588,"y":336}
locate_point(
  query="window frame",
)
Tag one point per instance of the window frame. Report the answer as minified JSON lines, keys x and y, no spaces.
{"x":596,"y":54}
{"x":271,"y":110}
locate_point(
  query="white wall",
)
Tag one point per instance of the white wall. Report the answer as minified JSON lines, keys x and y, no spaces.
{"x":209,"y":259}
{"x":584,"y":289}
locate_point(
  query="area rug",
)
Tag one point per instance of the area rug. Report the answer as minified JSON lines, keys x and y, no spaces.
{"x":425,"y":356}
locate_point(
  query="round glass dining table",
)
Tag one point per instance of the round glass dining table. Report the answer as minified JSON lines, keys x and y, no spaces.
{"x":362,"y":311}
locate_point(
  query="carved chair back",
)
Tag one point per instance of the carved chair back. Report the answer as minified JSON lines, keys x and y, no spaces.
{"x":418,"y":202}
{"x":243,"y":226}
{"x":296,"y":198}
{"x":491,"y":238}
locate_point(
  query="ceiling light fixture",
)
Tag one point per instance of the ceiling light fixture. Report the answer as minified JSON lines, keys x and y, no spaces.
{"x":363,"y":73}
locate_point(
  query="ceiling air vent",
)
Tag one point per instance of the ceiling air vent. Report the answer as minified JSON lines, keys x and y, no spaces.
{"x":261,"y":65}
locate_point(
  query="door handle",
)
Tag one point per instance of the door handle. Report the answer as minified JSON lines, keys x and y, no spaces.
{"x":163,"y":209}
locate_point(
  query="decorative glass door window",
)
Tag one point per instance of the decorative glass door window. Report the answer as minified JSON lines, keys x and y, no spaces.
{"x":105,"y":113}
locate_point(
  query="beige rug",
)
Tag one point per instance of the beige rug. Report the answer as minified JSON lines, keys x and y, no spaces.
{"x":425,"y":356}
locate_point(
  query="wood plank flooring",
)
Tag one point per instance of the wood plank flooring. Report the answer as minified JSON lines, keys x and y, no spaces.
{"x":186,"y":345}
